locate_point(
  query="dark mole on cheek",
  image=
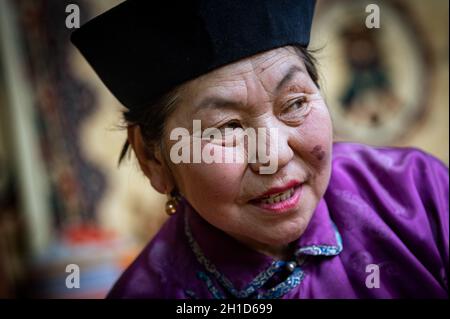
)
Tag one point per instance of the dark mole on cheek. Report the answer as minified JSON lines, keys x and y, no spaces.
{"x":318,"y":152}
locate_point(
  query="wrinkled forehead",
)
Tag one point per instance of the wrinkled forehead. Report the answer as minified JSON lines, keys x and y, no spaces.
{"x":267,"y":67}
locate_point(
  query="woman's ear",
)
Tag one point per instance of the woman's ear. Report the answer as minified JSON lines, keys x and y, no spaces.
{"x":150,"y":161}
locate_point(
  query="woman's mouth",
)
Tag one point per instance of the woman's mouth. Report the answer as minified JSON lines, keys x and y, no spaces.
{"x":279,"y":197}
{"x":280,"y":202}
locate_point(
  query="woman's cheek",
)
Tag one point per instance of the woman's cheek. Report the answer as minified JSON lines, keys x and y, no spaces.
{"x":315,"y":150}
{"x":316,"y":138}
{"x":217,"y":181}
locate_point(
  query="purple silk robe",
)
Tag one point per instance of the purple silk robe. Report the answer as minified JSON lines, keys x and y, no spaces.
{"x":380,"y":231}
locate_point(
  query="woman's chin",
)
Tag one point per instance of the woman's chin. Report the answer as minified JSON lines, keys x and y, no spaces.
{"x":285,"y":236}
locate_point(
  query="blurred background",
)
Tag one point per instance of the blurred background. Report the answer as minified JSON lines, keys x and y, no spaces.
{"x":63,"y":198}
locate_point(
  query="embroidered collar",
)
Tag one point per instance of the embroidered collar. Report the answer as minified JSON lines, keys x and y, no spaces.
{"x":241,"y":271}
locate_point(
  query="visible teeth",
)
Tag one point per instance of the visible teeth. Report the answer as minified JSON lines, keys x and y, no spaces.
{"x":275,"y":198}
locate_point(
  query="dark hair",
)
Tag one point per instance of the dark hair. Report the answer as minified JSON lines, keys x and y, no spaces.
{"x":152,"y":119}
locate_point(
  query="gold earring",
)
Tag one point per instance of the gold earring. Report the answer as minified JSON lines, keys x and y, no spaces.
{"x":172,"y":203}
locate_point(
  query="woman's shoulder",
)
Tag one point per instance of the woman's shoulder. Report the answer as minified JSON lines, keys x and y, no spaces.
{"x":382,"y":156}
{"x":407,"y":172}
{"x":395,"y":198}
{"x":396,"y":179}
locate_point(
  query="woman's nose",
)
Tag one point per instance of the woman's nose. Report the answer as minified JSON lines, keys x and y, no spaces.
{"x":273,"y":151}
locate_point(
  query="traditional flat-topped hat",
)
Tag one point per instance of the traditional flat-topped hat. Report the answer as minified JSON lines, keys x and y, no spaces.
{"x":142,"y":49}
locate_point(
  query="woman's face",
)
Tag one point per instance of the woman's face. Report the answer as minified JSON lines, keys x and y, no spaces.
{"x":272,"y":91}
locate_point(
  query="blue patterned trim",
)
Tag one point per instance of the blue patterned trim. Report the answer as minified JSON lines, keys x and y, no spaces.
{"x":251,"y":289}
{"x":209,"y":284}
{"x":281,"y":289}
{"x":190,"y":294}
{"x":323,"y":250}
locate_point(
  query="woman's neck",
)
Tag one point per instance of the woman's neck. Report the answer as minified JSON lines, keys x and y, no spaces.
{"x":280,"y":252}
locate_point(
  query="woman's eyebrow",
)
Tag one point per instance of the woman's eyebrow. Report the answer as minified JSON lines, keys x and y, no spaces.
{"x":288,"y":77}
{"x":216,"y":102}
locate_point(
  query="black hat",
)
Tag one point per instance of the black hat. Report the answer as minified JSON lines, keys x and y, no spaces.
{"x":141,"y":50}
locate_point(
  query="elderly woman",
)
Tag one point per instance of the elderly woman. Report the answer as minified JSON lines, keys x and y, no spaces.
{"x":263,"y":203}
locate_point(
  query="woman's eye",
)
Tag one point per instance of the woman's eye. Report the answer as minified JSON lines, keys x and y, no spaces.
{"x":230,"y":126}
{"x":296,"y":105}
{"x":229,"y":133}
